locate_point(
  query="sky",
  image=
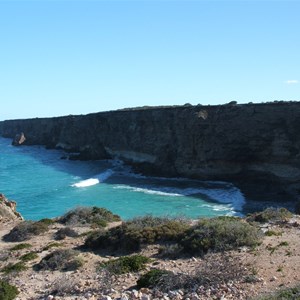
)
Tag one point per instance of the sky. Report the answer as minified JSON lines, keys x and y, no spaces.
{"x":78,"y":57}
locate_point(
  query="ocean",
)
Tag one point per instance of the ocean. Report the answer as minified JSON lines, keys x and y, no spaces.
{"x":46,"y":186}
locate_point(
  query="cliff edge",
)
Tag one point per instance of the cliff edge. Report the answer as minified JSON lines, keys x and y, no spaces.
{"x":240,"y":143}
{"x":8,"y":210}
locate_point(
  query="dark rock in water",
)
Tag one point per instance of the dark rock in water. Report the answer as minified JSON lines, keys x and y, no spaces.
{"x":241,"y":143}
{"x":8,"y":210}
{"x":19,"y":139}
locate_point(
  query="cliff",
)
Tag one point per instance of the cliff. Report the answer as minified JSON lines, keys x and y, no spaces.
{"x":8,"y":210}
{"x":241,"y":143}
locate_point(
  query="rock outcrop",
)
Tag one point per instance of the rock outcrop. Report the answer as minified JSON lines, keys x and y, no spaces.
{"x":251,"y":142}
{"x":19,"y":139}
{"x":8,"y":210}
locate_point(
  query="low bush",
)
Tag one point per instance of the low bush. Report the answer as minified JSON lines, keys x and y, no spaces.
{"x":170,"y":251}
{"x":29,"y":256}
{"x":64,"y":285}
{"x":16,"y":268}
{"x":47,"y":221}
{"x":62,"y":260}
{"x":273,"y":233}
{"x":152,"y":278}
{"x":20,"y":247}
{"x":284,"y":294}
{"x":270,"y":215}
{"x":219,"y":234}
{"x":132,"y":235}
{"x":126,"y":264}
{"x":95,"y":216}
{"x":62,"y":233}
{"x":25,"y":231}
{"x":7,"y":291}
{"x":213,"y":272}
{"x":52,"y":245}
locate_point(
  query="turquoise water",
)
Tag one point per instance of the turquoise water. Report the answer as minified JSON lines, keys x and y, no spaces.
{"x":44,"y":185}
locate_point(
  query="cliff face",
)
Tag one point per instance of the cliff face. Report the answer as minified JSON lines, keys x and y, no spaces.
{"x":229,"y":142}
{"x":8,"y":210}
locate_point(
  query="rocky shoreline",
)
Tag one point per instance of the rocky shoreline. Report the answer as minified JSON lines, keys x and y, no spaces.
{"x":241,"y":273}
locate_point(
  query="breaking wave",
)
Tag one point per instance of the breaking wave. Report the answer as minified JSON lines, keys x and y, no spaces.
{"x":227,"y":195}
{"x":95,"y":180}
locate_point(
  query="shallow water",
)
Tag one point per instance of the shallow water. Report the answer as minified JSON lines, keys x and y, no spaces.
{"x":43,"y":185}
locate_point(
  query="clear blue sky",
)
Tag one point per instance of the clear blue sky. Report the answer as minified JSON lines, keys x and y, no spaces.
{"x":77,"y":57}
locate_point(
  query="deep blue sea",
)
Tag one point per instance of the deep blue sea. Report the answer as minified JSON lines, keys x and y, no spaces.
{"x":44,"y":185}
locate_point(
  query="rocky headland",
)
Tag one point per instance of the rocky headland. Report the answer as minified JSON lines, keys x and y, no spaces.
{"x":256,"y":146}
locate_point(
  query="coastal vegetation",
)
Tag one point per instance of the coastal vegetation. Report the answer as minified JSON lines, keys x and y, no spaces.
{"x":7,"y":291}
{"x":133,"y":235}
{"x":271,"y":214}
{"x":14,"y":268}
{"x":126,"y":264}
{"x":283,"y":294}
{"x":20,"y":246}
{"x":62,"y":260}
{"x":215,"y":234}
{"x":25,"y":230}
{"x":96,"y":216}
{"x":155,"y":255}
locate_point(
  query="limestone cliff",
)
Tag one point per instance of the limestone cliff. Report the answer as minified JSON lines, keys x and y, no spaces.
{"x":259,"y":142}
{"x":8,"y":210}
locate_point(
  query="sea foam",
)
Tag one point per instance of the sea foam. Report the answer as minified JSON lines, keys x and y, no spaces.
{"x":95,"y":180}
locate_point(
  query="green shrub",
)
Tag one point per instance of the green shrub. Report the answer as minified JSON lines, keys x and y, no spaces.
{"x":20,"y":247}
{"x":126,"y":264}
{"x":273,"y":233}
{"x":29,"y":256}
{"x":219,"y":234}
{"x":62,"y":260}
{"x":47,"y":221}
{"x":170,"y":251}
{"x":18,"y":267}
{"x":7,"y":291}
{"x":25,"y":231}
{"x":274,"y":215}
{"x":52,"y":245}
{"x":62,"y":233}
{"x":284,"y":243}
{"x":132,"y":235}
{"x":152,"y":278}
{"x":214,"y":271}
{"x":285,"y":294}
{"x":96,"y":216}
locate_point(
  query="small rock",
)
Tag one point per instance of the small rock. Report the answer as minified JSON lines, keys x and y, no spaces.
{"x":124,"y":297}
{"x":50,"y":297}
{"x":105,"y":297}
{"x":273,"y":278}
{"x":145,"y":297}
{"x":135,"y":293}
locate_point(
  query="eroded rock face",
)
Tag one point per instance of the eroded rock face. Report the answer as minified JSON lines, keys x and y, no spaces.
{"x":19,"y":139}
{"x":8,"y":210}
{"x":259,"y":142}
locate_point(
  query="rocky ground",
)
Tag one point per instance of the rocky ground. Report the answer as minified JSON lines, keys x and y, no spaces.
{"x":272,"y":265}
